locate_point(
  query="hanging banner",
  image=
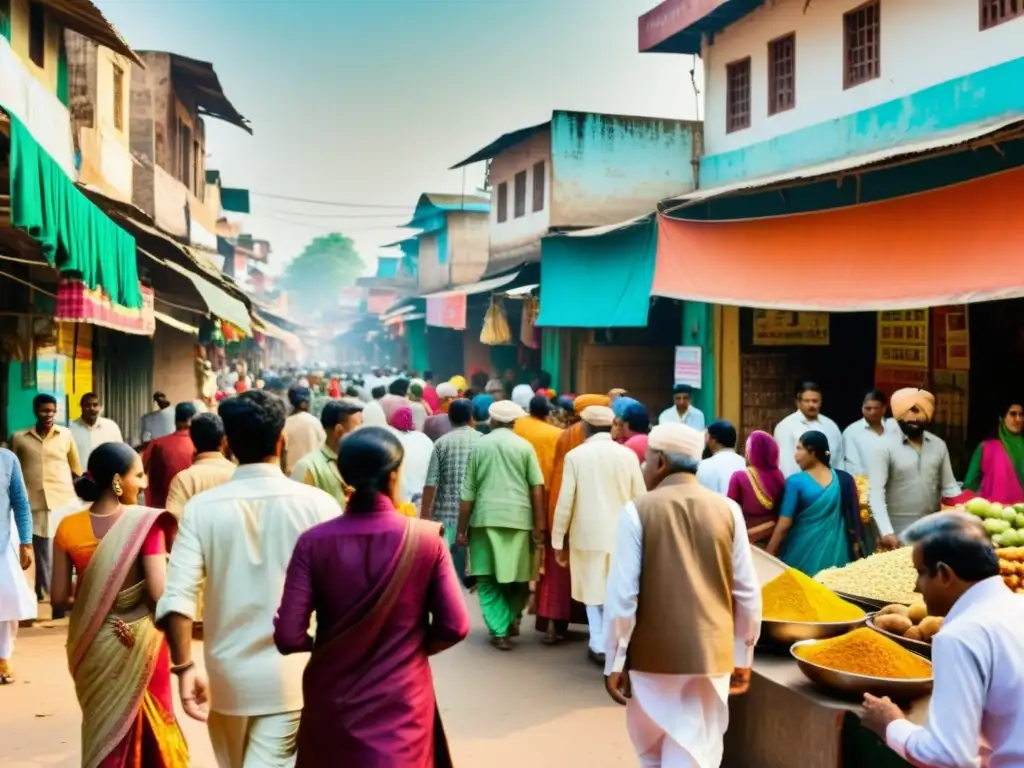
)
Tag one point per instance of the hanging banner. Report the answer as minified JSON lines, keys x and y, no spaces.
{"x":951,"y":338}
{"x":447,"y":312}
{"x":78,"y":304}
{"x":688,"y":366}
{"x":775,"y":328}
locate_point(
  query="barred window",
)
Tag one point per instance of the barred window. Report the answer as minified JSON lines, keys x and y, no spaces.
{"x":862,"y":44}
{"x":737,"y":96}
{"x":995,"y":12}
{"x":782,"y":74}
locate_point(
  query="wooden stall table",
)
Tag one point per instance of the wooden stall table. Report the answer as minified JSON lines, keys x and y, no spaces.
{"x":785,"y":722}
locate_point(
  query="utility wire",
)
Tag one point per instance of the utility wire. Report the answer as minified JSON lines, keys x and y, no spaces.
{"x":329,"y":202}
{"x":261,"y":211}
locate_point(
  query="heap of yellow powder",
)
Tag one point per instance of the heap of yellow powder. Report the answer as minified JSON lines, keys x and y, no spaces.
{"x":792,"y":596}
{"x":866,"y":652}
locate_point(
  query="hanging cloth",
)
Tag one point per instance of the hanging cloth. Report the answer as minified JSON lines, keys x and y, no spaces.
{"x":527,"y":326}
{"x":496,"y":330}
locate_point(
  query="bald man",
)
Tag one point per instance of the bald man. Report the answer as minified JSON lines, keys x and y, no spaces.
{"x":909,"y":476}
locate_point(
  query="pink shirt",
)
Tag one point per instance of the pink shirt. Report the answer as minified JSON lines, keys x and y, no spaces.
{"x":638,"y":445}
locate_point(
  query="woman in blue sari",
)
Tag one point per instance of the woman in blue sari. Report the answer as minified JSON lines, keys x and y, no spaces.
{"x":819,"y":520}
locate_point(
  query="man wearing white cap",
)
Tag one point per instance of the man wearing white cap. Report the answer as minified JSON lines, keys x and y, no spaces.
{"x":683,"y":608}
{"x":502,"y":519}
{"x":598,"y":479}
{"x":439,"y":425}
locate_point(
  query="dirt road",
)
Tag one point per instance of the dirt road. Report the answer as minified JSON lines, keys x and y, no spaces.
{"x":536,"y":706}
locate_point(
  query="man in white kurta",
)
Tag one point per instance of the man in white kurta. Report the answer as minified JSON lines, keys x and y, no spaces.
{"x":680,"y":547}
{"x":598,"y":478}
{"x":863,"y":439}
{"x":717,"y":470}
{"x":808,"y":417}
{"x":240,"y":537}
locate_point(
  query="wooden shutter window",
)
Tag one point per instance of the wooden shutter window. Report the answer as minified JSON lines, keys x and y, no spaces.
{"x":520,"y":194}
{"x":737,"y":97}
{"x":862,"y":28}
{"x":503,"y":202}
{"x":992,"y":13}
{"x":539,"y":181}
{"x":782,"y":74}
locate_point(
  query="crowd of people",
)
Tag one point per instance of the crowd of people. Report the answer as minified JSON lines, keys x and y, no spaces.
{"x":322,"y":533}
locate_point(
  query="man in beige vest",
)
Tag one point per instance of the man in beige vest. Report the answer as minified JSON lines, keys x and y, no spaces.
{"x":598,"y":479}
{"x":682,"y":609}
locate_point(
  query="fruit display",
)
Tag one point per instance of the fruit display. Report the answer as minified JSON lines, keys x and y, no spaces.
{"x":1005,"y":524}
{"x":888,"y":577}
{"x":911,"y":622}
{"x":1011,"y":567}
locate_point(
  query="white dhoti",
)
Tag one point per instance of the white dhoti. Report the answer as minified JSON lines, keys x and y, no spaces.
{"x":17,"y":603}
{"x":678,"y":721}
{"x":595,"y":619}
{"x":256,"y":741}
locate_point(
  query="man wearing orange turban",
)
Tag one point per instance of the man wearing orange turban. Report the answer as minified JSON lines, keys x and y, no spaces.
{"x":911,"y":476}
{"x":555,"y":606}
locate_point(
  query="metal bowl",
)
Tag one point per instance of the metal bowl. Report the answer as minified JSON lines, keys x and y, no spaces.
{"x":854,"y":686}
{"x":786,"y":633}
{"x":917,"y":646}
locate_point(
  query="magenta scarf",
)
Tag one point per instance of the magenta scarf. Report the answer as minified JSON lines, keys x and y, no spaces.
{"x":763,"y":456}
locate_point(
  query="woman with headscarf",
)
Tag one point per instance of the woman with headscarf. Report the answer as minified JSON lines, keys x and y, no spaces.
{"x":555,"y":606}
{"x":386,"y":598}
{"x":758,"y":489}
{"x":417,"y":447}
{"x":481,"y":413}
{"x":996,"y":472}
{"x":819,"y":522}
{"x":421,"y":411}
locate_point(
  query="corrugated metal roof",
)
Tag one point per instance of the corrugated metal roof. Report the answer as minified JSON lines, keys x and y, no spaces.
{"x":199,"y":80}
{"x":447,"y":201}
{"x":499,"y":145}
{"x":83,"y":17}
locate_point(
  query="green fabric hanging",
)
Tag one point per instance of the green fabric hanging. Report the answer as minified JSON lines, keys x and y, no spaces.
{"x":416,"y":339}
{"x":74,"y":234}
{"x":62,"y":73}
{"x":5,"y":20}
{"x":551,"y":355}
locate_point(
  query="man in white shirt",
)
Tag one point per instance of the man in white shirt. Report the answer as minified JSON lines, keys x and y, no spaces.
{"x":715,"y":472}
{"x":808,"y":417}
{"x":686,"y":620}
{"x":90,"y":430}
{"x":303,"y":432}
{"x":976,"y":715}
{"x":158,"y":423}
{"x":863,"y":438}
{"x":239,"y":537}
{"x":598,"y":478}
{"x":681,"y":411}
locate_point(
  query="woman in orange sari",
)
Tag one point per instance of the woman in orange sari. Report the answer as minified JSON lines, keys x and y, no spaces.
{"x":117,"y":657}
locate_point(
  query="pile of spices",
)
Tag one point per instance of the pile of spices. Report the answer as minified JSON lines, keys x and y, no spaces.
{"x":866,"y":652}
{"x":792,"y":596}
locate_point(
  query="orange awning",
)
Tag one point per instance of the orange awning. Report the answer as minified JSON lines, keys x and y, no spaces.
{"x":955,"y":245}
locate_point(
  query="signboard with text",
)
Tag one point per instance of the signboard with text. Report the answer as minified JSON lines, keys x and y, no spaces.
{"x":774,"y":328}
{"x":688,"y":365}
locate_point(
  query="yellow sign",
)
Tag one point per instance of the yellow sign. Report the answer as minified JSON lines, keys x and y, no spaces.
{"x":774,"y":328}
{"x":903,"y":338}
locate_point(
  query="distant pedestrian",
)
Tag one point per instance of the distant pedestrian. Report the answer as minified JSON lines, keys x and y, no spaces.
{"x":682,"y":411}
{"x":439,"y":424}
{"x":16,"y":603}
{"x":159,"y":422}
{"x":303,"y":432}
{"x":166,"y":456}
{"x":418,"y":448}
{"x":717,"y":470}
{"x":91,"y":430}
{"x":210,"y":466}
{"x":50,"y":464}
{"x":320,"y":468}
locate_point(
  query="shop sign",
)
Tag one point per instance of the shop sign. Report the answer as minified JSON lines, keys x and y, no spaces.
{"x":903,"y":339}
{"x":951,"y":336}
{"x":775,"y":328}
{"x":688,"y":366}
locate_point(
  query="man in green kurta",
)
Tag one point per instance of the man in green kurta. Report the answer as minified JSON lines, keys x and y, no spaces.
{"x":502,"y":519}
{"x":320,"y":468}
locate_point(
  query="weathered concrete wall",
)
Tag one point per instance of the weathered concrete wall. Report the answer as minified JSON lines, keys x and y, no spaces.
{"x":147,"y":126}
{"x":608,"y":168}
{"x":47,"y":74}
{"x":515,"y":236}
{"x":434,"y":276}
{"x":467,"y":245}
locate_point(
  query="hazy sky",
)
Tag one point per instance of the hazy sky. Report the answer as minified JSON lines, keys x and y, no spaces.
{"x":370,"y":101}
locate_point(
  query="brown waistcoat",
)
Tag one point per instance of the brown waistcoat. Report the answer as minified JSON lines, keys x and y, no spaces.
{"x":684,"y":620}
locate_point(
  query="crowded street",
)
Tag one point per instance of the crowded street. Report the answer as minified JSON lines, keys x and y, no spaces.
{"x":546,"y":706}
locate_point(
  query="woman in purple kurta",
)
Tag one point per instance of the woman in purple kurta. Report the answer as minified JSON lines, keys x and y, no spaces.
{"x":758,"y":488}
{"x":386,"y":597}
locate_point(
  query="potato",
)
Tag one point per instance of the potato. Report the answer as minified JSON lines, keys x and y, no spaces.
{"x":914,"y":633}
{"x":930,"y":627}
{"x":917,"y":612}
{"x":895,"y":609}
{"x":893,"y":622}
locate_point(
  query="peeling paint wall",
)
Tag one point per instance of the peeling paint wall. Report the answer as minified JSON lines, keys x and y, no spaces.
{"x":609,"y":168}
{"x":518,"y":236}
{"x":467,"y":244}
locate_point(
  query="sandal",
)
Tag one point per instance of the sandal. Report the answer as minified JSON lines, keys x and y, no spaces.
{"x":501,"y":643}
{"x":6,"y":675}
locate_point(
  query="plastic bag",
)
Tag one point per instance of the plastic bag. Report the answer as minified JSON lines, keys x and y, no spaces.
{"x":496,"y":330}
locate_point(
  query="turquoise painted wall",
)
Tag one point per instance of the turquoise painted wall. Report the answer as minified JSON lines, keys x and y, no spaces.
{"x":607,"y":168}
{"x":699,"y":331}
{"x":988,"y":95}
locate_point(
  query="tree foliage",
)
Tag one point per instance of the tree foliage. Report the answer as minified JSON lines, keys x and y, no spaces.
{"x":316,"y":276}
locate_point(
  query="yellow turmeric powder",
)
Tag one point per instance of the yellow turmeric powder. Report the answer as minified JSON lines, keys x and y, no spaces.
{"x":866,"y":652}
{"x":792,"y":596}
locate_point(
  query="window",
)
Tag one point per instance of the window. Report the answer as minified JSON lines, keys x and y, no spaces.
{"x":737,"y":96}
{"x":782,"y":74}
{"x":37,"y":34}
{"x":503,"y":202}
{"x":520,"y":193}
{"x":994,"y":12}
{"x":538,"y":186}
{"x":198,"y":177}
{"x":861,"y":42}
{"x":184,"y":154}
{"x":118,"y":98}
